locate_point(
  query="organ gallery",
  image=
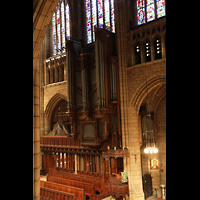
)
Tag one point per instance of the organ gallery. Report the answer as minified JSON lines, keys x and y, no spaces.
{"x":101,"y":68}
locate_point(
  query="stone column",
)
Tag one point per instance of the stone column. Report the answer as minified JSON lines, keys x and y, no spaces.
{"x":130,"y":132}
{"x":45,"y":73}
{"x":36,"y":131}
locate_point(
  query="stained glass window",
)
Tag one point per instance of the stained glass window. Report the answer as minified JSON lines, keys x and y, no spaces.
{"x":88,"y":20}
{"x":112,"y":15}
{"x":94,"y":17}
{"x":63,"y":24}
{"x":60,"y":27}
{"x":107,"y":13}
{"x":67,"y":20}
{"x":150,"y":10}
{"x":54,"y":34}
{"x":140,"y":11}
{"x":98,"y":14}
{"x":58,"y":30}
{"x":160,"y":8}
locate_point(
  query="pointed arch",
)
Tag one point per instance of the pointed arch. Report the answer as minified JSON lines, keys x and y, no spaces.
{"x":141,"y":92}
{"x":52,"y":103}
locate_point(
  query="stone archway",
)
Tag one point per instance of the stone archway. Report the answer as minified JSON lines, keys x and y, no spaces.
{"x":141,"y":92}
{"x":49,"y":109}
{"x":42,"y":14}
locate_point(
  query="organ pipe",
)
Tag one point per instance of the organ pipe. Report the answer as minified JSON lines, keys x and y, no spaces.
{"x":84,"y":88}
{"x":113,"y":83}
{"x":69,"y":66}
{"x":100,"y":73}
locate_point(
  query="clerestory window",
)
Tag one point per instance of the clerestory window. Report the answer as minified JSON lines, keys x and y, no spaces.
{"x":99,"y":14}
{"x":148,"y":10}
{"x":61,"y":27}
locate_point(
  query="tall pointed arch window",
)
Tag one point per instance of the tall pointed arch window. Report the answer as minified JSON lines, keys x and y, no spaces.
{"x":148,"y":10}
{"x":99,"y":14}
{"x":60,"y":27}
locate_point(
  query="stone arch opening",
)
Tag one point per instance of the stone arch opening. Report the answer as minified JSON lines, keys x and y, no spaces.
{"x":141,"y":92}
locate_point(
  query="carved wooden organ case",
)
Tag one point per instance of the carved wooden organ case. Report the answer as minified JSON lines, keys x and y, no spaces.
{"x":93,"y":92}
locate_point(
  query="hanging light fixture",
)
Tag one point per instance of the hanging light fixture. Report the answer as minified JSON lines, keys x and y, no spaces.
{"x":150,"y":142}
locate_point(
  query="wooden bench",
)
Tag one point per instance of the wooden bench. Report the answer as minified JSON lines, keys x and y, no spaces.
{"x":55,"y":194}
{"x":88,"y":187}
{"x":80,"y":193}
{"x":78,"y":177}
{"x":98,"y":182}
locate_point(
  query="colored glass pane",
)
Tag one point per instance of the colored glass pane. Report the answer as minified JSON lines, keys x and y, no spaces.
{"x":140,"y":11}
{"x":54,"y":34}
{"x":94,"y":17}
{"x":88,"y":22}
{"x":63,"y":24}
{"x":150,"y":9}
{"x":107,"y":13}
{"x":160,"y":8}
{"x":100,"y":13}
{"x":58,"y":31}
{"x":112,"y":15}
{"x":67,"y":20}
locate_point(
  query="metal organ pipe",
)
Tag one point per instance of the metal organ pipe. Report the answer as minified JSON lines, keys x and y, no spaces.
{"x":100,"y":73}
{"x":113,"y":83}
{"x":84,"y":88}
{"x":97,"y":71}
{"x":69,"y":67}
